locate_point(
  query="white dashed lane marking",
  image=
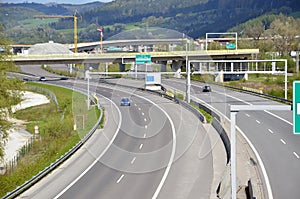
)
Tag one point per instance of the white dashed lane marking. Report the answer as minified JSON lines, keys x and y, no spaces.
{"x":121,"y":177}
{"x":132,"y":161}
{"x":270,"y":131}
{"x":141,"y":146}
{"x":283,"y":142}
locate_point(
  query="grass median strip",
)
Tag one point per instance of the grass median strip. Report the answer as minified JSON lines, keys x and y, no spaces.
{"x":207,"y":116}
{"x":56,"y":133}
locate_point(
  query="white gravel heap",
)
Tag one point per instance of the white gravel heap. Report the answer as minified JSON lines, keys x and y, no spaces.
{"x":49,"y":48}
{"x":18,"y":137}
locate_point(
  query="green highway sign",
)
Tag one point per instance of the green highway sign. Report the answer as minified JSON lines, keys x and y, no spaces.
{"x":143,"y":59}
{"x":230,"y":46}
{"x":296,"y":107}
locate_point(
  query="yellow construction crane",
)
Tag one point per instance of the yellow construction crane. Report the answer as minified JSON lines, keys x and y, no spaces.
{"x":62,"y":16}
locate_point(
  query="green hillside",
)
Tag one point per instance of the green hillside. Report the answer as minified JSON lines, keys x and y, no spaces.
{"x":191,"y":17}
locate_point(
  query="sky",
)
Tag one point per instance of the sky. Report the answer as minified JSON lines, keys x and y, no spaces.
{"x":55,"y":1}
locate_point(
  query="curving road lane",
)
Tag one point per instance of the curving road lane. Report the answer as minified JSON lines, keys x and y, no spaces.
{"x":133,"y":156}
{"x":270,"y":132}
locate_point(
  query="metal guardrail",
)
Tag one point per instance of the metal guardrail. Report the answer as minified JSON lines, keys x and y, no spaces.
{"x":46,"y":92}
{"x":216,"y":122}
{"x":279,"y":99}
{"x":271,"y":97}
{"x":52,"y":166}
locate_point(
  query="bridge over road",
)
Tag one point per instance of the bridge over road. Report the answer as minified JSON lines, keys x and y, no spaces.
{"x":241,"y":54}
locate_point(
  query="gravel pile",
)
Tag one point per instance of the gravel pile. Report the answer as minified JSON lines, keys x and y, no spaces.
{"x":49,"y":48}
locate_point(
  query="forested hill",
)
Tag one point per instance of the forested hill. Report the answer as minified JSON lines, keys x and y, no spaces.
{"x":194,"y":17}
{"x":52,"y":8}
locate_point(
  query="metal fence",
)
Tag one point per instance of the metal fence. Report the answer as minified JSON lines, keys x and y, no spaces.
{"x":9,"y":166}
{"x":51,"y":167}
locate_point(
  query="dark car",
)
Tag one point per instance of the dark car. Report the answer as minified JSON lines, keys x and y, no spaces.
{"x":125,"y":102}
{"x":206,"y":88}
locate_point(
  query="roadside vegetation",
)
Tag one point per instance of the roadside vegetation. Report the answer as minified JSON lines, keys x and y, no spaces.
{"x":59,"y":72}
{"x":179,"y":95}
{"x":268,"y":84}
{"x":56,"y":134}
{"x":207,"y":116}
{"x":9,"y":89}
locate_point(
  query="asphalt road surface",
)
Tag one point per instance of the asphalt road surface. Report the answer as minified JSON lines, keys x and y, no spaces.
{"x":270,"y":132}
{"x":144,"y":151}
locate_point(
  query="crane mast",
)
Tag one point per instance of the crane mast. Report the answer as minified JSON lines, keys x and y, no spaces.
{"x":62,"y":16}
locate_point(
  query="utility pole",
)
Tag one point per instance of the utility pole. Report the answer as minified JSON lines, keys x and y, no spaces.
{"x":297,"y":62}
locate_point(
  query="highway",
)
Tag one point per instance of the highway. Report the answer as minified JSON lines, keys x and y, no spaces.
{"x":270,"y":132}
{"x":144,"y":151}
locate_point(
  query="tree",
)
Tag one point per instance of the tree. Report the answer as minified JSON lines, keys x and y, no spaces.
{"x":255,"y":32}
{"x":283,"y":32}
{"x":9,"y":89}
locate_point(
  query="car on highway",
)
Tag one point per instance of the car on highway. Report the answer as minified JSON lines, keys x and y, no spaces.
{"x":206,"y":88}
{"x":125,"y":101}
{"x":42,"y":78}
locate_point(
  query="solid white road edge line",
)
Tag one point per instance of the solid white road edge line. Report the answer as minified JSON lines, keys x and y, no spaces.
{"x":264,"y":171}
{"x":171,"y":158}
{"x":98,"y":158}
{"x":252,"y":104}
{"x":173,"y":145}
{"x":278,"y":117}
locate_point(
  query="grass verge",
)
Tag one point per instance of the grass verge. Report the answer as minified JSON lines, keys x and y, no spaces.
{"x":207,"y":116}
{"x":56,"y":134}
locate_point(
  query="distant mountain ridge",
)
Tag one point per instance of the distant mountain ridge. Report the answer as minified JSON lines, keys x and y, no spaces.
{"x":191,"y":17}
{"x":54,"y":8}
{"x":194,"y":17}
